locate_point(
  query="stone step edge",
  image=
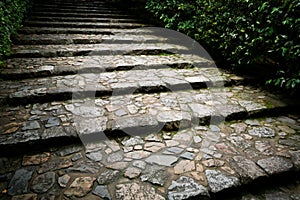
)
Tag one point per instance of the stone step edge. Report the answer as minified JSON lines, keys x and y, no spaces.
{"x":71,"y":136}
{"x":61,"y":70}
{"x":67,"y":40}
{"x":43,"y":53}
{"x":102,"y":31}
{"x":39,"y":95}
{"x":85,"y":24}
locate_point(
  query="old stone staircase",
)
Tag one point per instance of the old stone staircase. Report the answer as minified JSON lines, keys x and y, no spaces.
{"x":96,"y":104}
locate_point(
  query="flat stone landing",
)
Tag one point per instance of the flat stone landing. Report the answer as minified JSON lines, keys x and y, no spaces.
{"x":97,"y":105}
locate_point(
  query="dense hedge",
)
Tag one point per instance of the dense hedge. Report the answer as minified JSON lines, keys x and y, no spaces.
{"x":11,"y":16}
{"x":243,"y":32}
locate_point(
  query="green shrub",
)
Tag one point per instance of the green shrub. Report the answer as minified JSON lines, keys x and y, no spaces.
{"x":243,"y":32}
{"x":11,"y":16}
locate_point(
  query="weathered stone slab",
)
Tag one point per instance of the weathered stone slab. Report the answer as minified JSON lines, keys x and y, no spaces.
{"x":219,"y":181}
{"x":19,"y":184}
{"x":131,"y":191}
{"x":247,"y":169}
{"x":275,"y":165}
{"x":185,"y":188}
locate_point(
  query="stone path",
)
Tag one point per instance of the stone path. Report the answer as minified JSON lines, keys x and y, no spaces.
{"x":93,"y":108}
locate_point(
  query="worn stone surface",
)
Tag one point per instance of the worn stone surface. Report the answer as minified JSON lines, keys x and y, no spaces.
{"x":186,"y":187}
{"x":64,"y":180}
{"x":134,"y":190}
{"x":264,"y":132}
{"x":218,"y":181}
{"x":155,"y":175}
{"x":107,"y":176}
{"x":132,"y":172}
{"x":42,"y":183}
{"x":184,"y":166}
{"x":80,"y":187}
{"x":275,"y":165}
{"x":102,"y":191}
{"x":247,"y":169}
{"x":82,"y":71}
{"x":85,"y":167}
{"x":164,"y":160}
{"x":19,"y":184}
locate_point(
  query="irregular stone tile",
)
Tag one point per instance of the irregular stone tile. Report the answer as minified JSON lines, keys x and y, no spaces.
{"x":64,"y":180}
{"x":19,"y":184}
{"x":164,"y":160}
{"x":118,"y":165}
{"x":54,"y":164}
{"x":31,"y":125}
{"x":213,"y":163}
{"x":102,"y":191}
{"x":214,"y":128}
{"x":184,"y":166}
{"x":95,"y":156}
{"x":173,"y":150}
{"x":42,"y":183}
{"x":153,"y":138}
{"x":155,"y":175}
{"x":263,"y":132}
{"x":226,"y":148}
{"x":287,"y":129}
{"x":76,"y":156}
{"x":239,"y":142}
{"x":239,"y":127}
{"x":218,"y":181}
{"x":80,"y":187}
{"x":153,"y":146}
{"x":252,"y":122}
{"x":247,"y":169}
{"x":91,"y":147}
{"x":139,"y":154}
{"x":107,"y":176}
{"x":115,"y":157}
{"x":113,"y":145}
{"x":171,"y":143}
{"x":68,"y":150}
{"x":139,"y":164}
{"x":133,"y":141}
{"x":83,"y":166}
{"x":275,"y":165}
{"x":296,"y":158}
{"x":132,"y":191}
{"x":188,"y":155}
{"x":132,"y":172}
{"x":185,"y":188}
{"x":25,"y":197}
{"x":35,"y":159}
{"x":264,"y":147}
{"x":52,"y":121}
{"x":197,"y":139}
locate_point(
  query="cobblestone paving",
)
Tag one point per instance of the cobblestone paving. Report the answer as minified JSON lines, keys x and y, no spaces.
{"x":92,"y":108}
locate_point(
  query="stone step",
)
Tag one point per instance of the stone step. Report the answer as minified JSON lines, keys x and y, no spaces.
{"x":73,"y":6}
{"x":35,"y":51}
{"x":134,"y":114}
{"x":85,"y":24}
{"x":165,"y":166}
{"x":107,"y":83}
{"x":95,"y":10}
{"x":46,"y":39}
{"x":81,"y":19}
{"x":74,"y":14}
{"x":103,"y":31}
{"x":20,"y":68}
